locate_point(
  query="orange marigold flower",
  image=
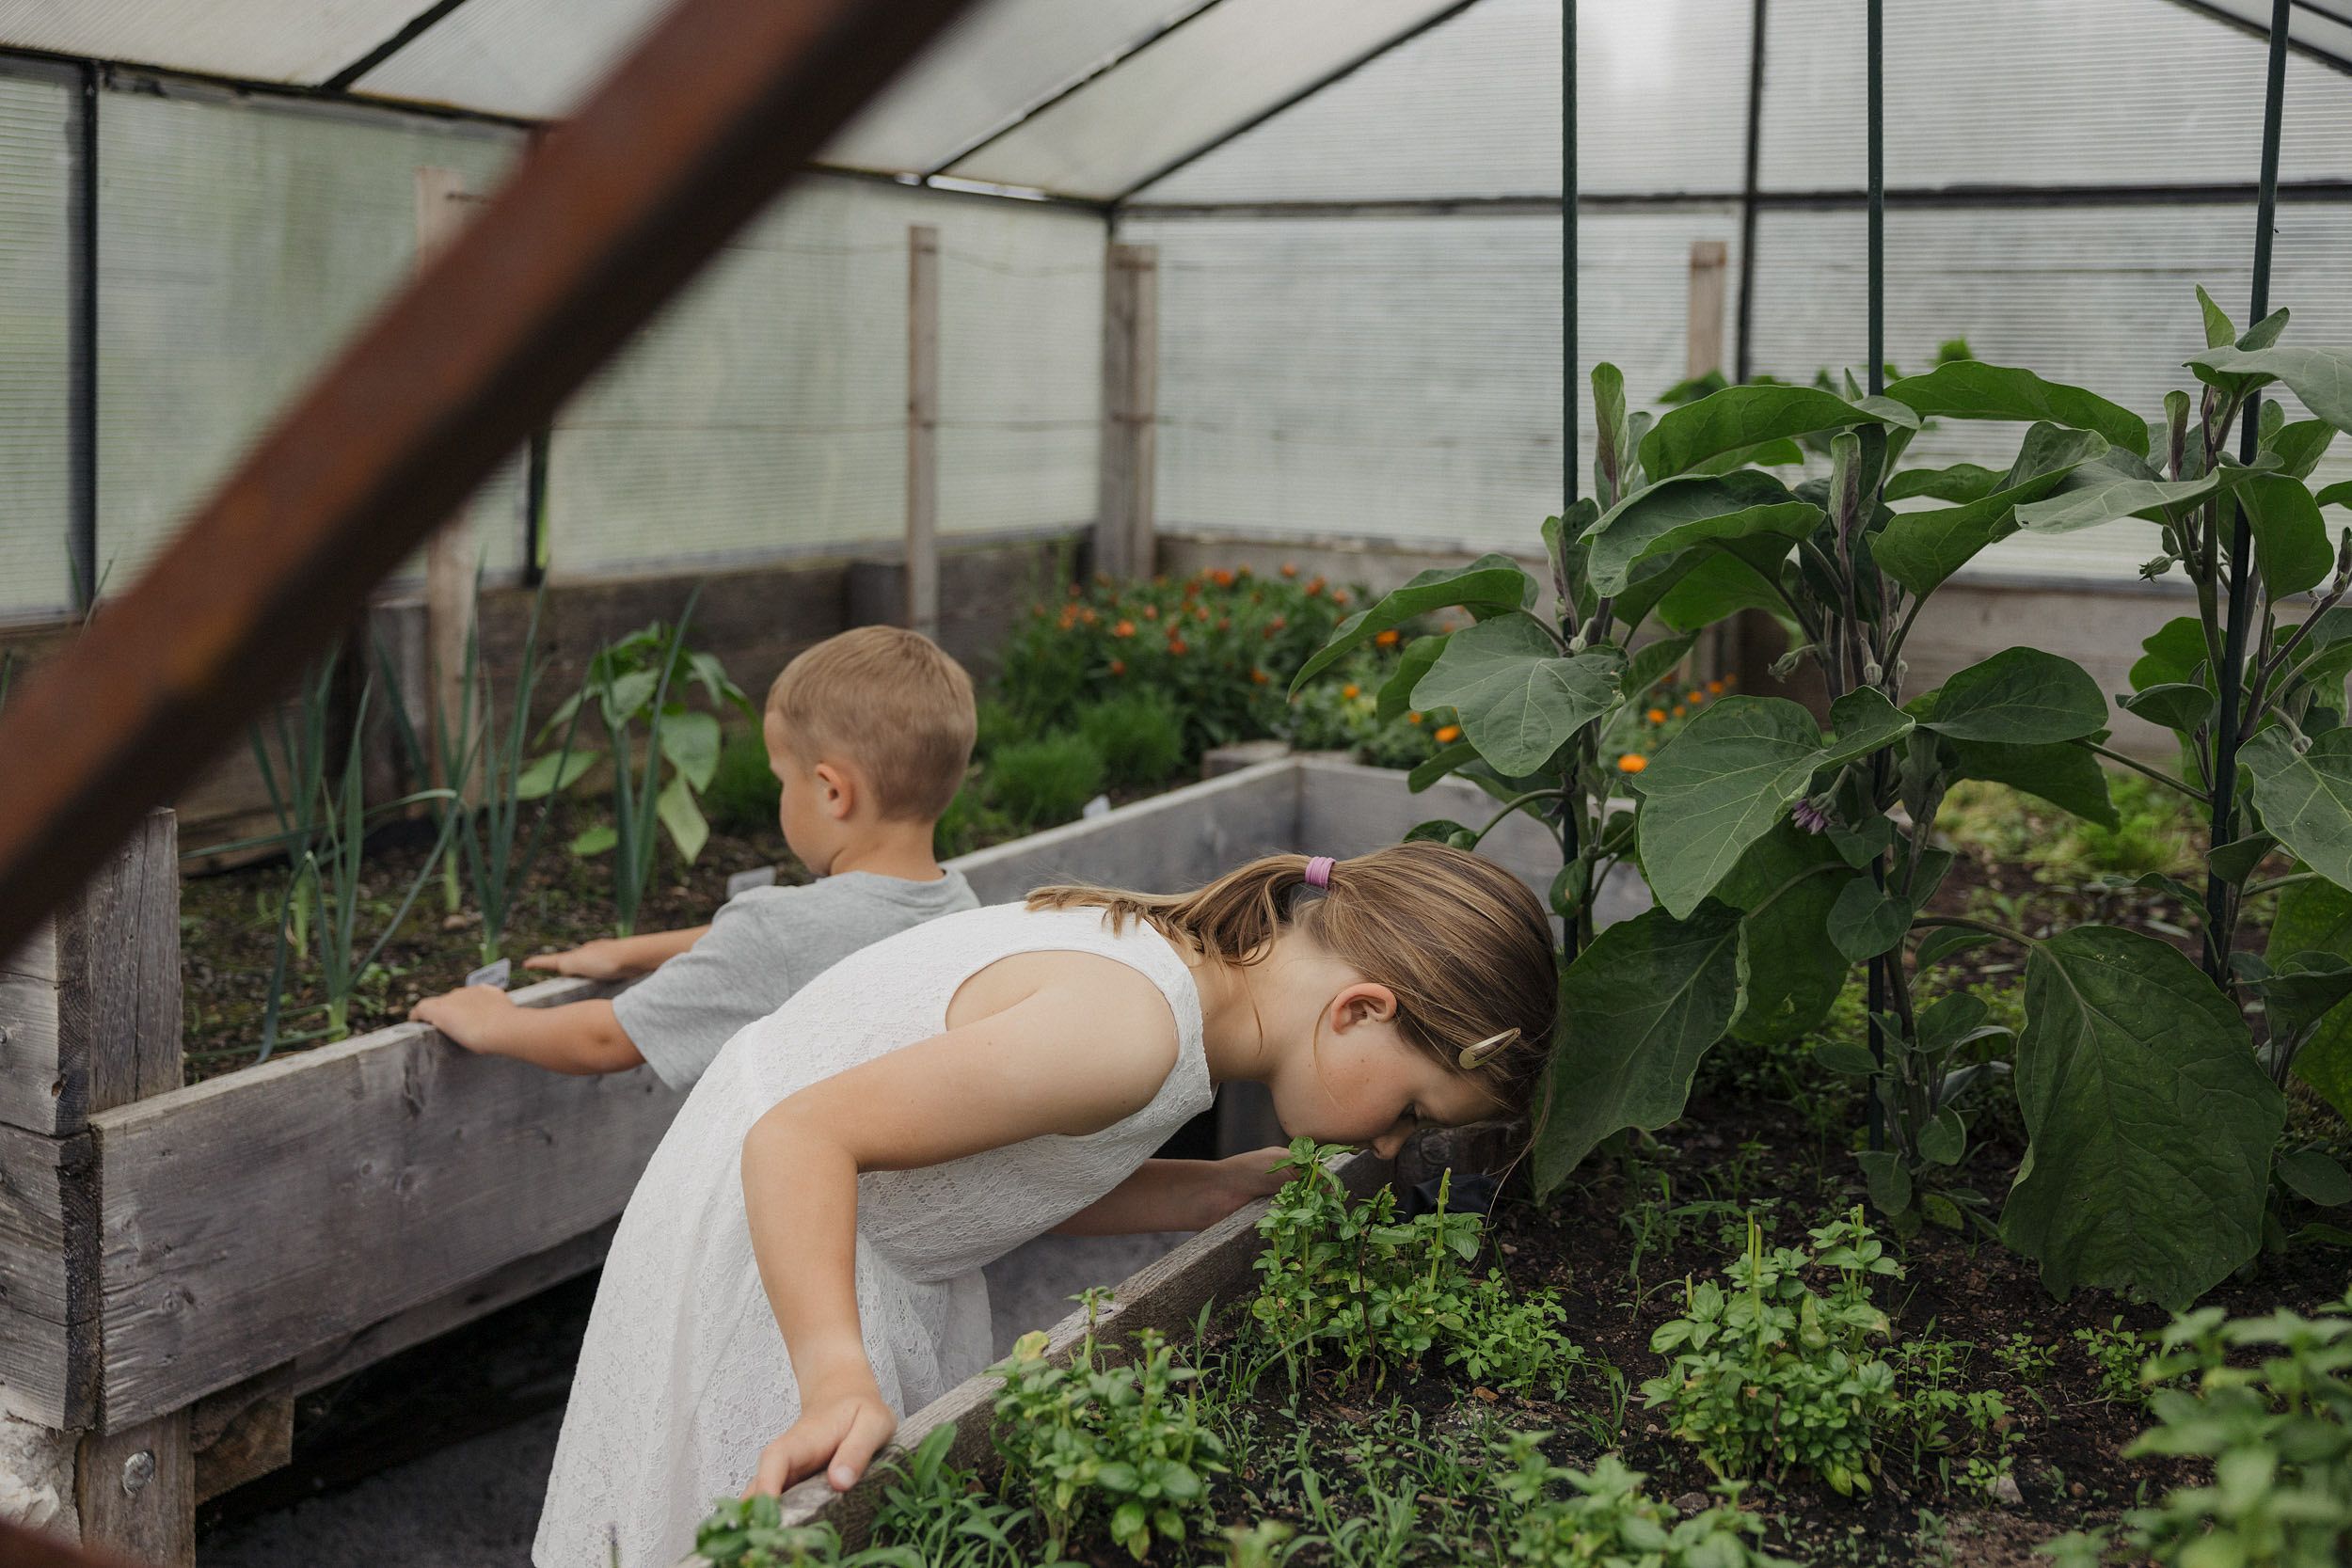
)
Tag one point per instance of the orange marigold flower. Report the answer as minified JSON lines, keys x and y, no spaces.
{"x":1089,"y":616}
{"x":1074,"y":591}
{"x":1656,"y":716}
{"x":1124,"y":629}
{"x":1200,"y":613}
{"x":1388,"y":638}
{"x":1225,"y":622}
{"x":1449,"y":734}
{"x":1731,"y":680}
{"x":1633,"y":762}
{"x":1151,"y":613}
{"x":1119,"y":667}
{"x":1338,"y":596}
{"x":1412,"y":718}
{"x":1290,"y":568}
{"x":1678,"y":710}
{"x":1176,"y":646}
{"x":1350,"y":691}
{"x":1694,"y":698}
{"x":1222,"y":578}
{"x":1258,"y":677}
{"x":1278,"y":622}
{"x":1315,"y":588}
{"x":1715,"y":689}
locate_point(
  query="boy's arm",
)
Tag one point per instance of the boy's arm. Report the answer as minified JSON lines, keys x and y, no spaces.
{"x":619,"y":958}
{"x":994,"y":1082}
{"x":1179,"y":1195}
{"x":578,"y":1036}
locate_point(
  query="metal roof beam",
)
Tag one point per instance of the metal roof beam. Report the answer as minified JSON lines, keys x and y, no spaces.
{"x":418,"y":25}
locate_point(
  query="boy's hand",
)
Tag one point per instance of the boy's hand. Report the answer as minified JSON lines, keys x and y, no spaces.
{"x":602,"y":959}
{"x":465,"y":1015}
{"x":1241,"y":1179}
{"x":837,"y":1436}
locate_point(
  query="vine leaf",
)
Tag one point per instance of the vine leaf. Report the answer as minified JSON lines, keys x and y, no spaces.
{"x":1726,"y":779}
{"x":2317,"y":917}
{"x":2149,"y":1124}
{"x":1920,"y":549}
{"x":1493,"y":582}
{"x":1675,"y":514}
{"x":1519,"y":701}
{"x":1637,"y":1010}
{"x":1972,"y":390}
{"x":2018,"y":697}
{"x":2175,"y":705}
{"x":1747,"y":416}
{"x":2306,"y":801}
{"x":1867,"y":919}
{"x":2290,"y":545}
{"x":1790,"y":974}
{"x":2322,"y":378}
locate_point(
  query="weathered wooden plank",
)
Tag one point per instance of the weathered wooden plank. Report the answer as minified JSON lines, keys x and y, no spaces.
{"x":1125,"y":542}
{"x":268,"y":1214}
{"x":922,"y":602}
{"x":251,"y":1442}
{"x":1165,"y":845}
{"x":1165,"y":1294}
{"x":36,"y":956}
{"x":47,"y":1277}
{"x":135,"y":1488}
{"x":32,"y":1077}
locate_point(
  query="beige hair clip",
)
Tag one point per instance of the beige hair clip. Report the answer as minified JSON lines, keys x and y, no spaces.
{"x":1477,"y":1056}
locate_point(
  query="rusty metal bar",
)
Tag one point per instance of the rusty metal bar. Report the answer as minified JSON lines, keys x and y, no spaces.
{"x":606,"y":219}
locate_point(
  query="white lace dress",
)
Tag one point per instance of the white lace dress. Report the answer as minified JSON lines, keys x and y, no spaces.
{"x":684,"y":1378}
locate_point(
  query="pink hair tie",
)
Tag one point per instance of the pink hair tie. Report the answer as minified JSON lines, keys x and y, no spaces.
{"x":1319,"y":872}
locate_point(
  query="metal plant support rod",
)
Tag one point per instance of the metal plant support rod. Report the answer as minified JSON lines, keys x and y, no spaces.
{"x":2217,"y":892}
{"x":1744,"y":332}
{"x":715,"y":111}
{"x":1876,"y":49}
{"x":1571,"y":808}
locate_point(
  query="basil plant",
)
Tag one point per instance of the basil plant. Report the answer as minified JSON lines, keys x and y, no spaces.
{"x":1782,"y":851}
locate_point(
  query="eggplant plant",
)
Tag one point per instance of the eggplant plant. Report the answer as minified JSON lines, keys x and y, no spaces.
{"x":1782,"y":852}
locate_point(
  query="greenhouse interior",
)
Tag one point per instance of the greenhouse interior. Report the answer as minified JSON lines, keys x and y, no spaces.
{"x":454,"y":456}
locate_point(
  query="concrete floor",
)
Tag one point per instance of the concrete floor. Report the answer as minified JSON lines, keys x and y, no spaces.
{"x":476,"y":1504}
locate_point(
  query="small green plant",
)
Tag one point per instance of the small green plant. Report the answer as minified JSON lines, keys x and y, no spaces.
{"x":1122,"y":1445}
{"x":2026,"y":1359}
{"x":1349,"y":1278}
{"x":743,"y":791}
{"x":2278,"y":1431}
{"x":1602,"y":1518}
{"x":1772,"y":1377}
{"x":1949,"y":1423}
{"x":2115,"y":1355}
{"x":1040,"y":783}
{"x":1139,"y":736}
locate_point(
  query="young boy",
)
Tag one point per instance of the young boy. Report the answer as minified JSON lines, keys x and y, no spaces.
{"x":870,"y":733}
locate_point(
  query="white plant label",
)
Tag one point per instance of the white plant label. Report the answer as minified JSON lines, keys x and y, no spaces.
{"x":758,"y":875}
{"x":492,"y":975}
{"x":1099,"y":806}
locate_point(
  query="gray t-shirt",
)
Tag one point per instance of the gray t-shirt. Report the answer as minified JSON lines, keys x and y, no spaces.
{"x":765,"y":944}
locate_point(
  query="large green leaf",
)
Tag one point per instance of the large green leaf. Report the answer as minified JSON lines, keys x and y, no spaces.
{"x":2321,"y":377}
{"x":2119,"y":486}
{"x":1741,"y":417}
{"x":1637,"y":1010}
{"x":683,"y":818}
{"x":2291,"y":545}
{"x":1959,"y":483}
{"x":690,"y":741}
{"x":1920,"y":549}
{"x":1675,"y":514}
{"x":2019,"y":697}
{"x":2181,"y":706}
{"x":2306,"y":801}
{"x":1493,"y":582}
{"x":1724,"y":781}
{"x":1653,"y":663}
{"x":1720,"y":584}
{"x":2062,"y":772}
{"x":2317,"y":917}
{"x":1789,"y":974}
{"x":2299,"y":445}
{"x":1972,"y":390}
{"x":2174,"y":650}
{"x":1519,"y":701}
{"x":1396,"y":692}
{"x":2150,"y":1123}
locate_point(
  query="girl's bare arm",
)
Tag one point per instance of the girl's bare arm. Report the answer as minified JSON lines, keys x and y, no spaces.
{"x":1179,"y":1195}
{"x":996,"y":1081}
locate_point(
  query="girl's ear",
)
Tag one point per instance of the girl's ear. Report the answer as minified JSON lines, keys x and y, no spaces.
{"x":1362,"y":1003}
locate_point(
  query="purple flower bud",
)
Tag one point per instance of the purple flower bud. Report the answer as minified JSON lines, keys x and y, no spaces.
{"x":1808,"y":816}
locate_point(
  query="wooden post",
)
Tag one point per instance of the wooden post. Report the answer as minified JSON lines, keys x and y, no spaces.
{"x":1125,"y":542}
{"x":922,"y":429}
{"x":451,"y":556}
{"x":1706,"y":352}
{"x":90,"y":1018}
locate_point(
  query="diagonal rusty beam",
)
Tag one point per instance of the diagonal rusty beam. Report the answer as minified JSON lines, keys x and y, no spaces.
{"x":714,"y":112}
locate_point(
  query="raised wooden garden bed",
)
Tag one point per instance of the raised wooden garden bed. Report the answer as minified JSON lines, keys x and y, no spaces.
{"x":178,"y":1263}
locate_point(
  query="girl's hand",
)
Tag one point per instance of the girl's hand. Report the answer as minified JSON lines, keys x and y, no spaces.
{"x":838,"y":1433}
{"x":1243,"y":1178}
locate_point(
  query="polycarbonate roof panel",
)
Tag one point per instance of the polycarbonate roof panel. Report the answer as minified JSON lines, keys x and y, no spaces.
{"x":531,"y":58}
{"x":1003,"y":59}
{"x":2324,"y":25}
{"x":1202,"y":81}
{"x":258,"y":41}
{"x":1471,"y":108}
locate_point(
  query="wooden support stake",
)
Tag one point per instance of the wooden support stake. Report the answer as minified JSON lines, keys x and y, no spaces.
{"x":135,"y":1490}
{"x":922,"y":429}
{"x":1707,"y":273}
{"x":1125,"y":539}
{"x":451,"y":557}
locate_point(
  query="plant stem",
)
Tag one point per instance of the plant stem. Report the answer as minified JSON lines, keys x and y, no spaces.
{"x":1966,"y":923}
{"x":2158,"y":774}
{"x":1496,"y":821}
{"x":2257,"y":889}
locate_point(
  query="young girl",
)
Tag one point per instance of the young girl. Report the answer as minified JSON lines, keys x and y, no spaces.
{"x":803,"y":1257}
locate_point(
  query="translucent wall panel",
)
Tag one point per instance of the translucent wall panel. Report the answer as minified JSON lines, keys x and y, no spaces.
{"x":1472,"y":108}
{"x":2101,"y":297}
{"x":2038,"y":93}
{"x":764,"y":413}
{"x":1398,"y":378}
{"x":238,"y":248}
{"x":259,"y":40}
{"x":35,"y":298}
{"x":1206,"y":78}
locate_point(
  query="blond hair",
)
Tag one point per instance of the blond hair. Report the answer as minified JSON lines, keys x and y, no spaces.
{"x":1463,"y":944}
{"x":889,"y":702}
